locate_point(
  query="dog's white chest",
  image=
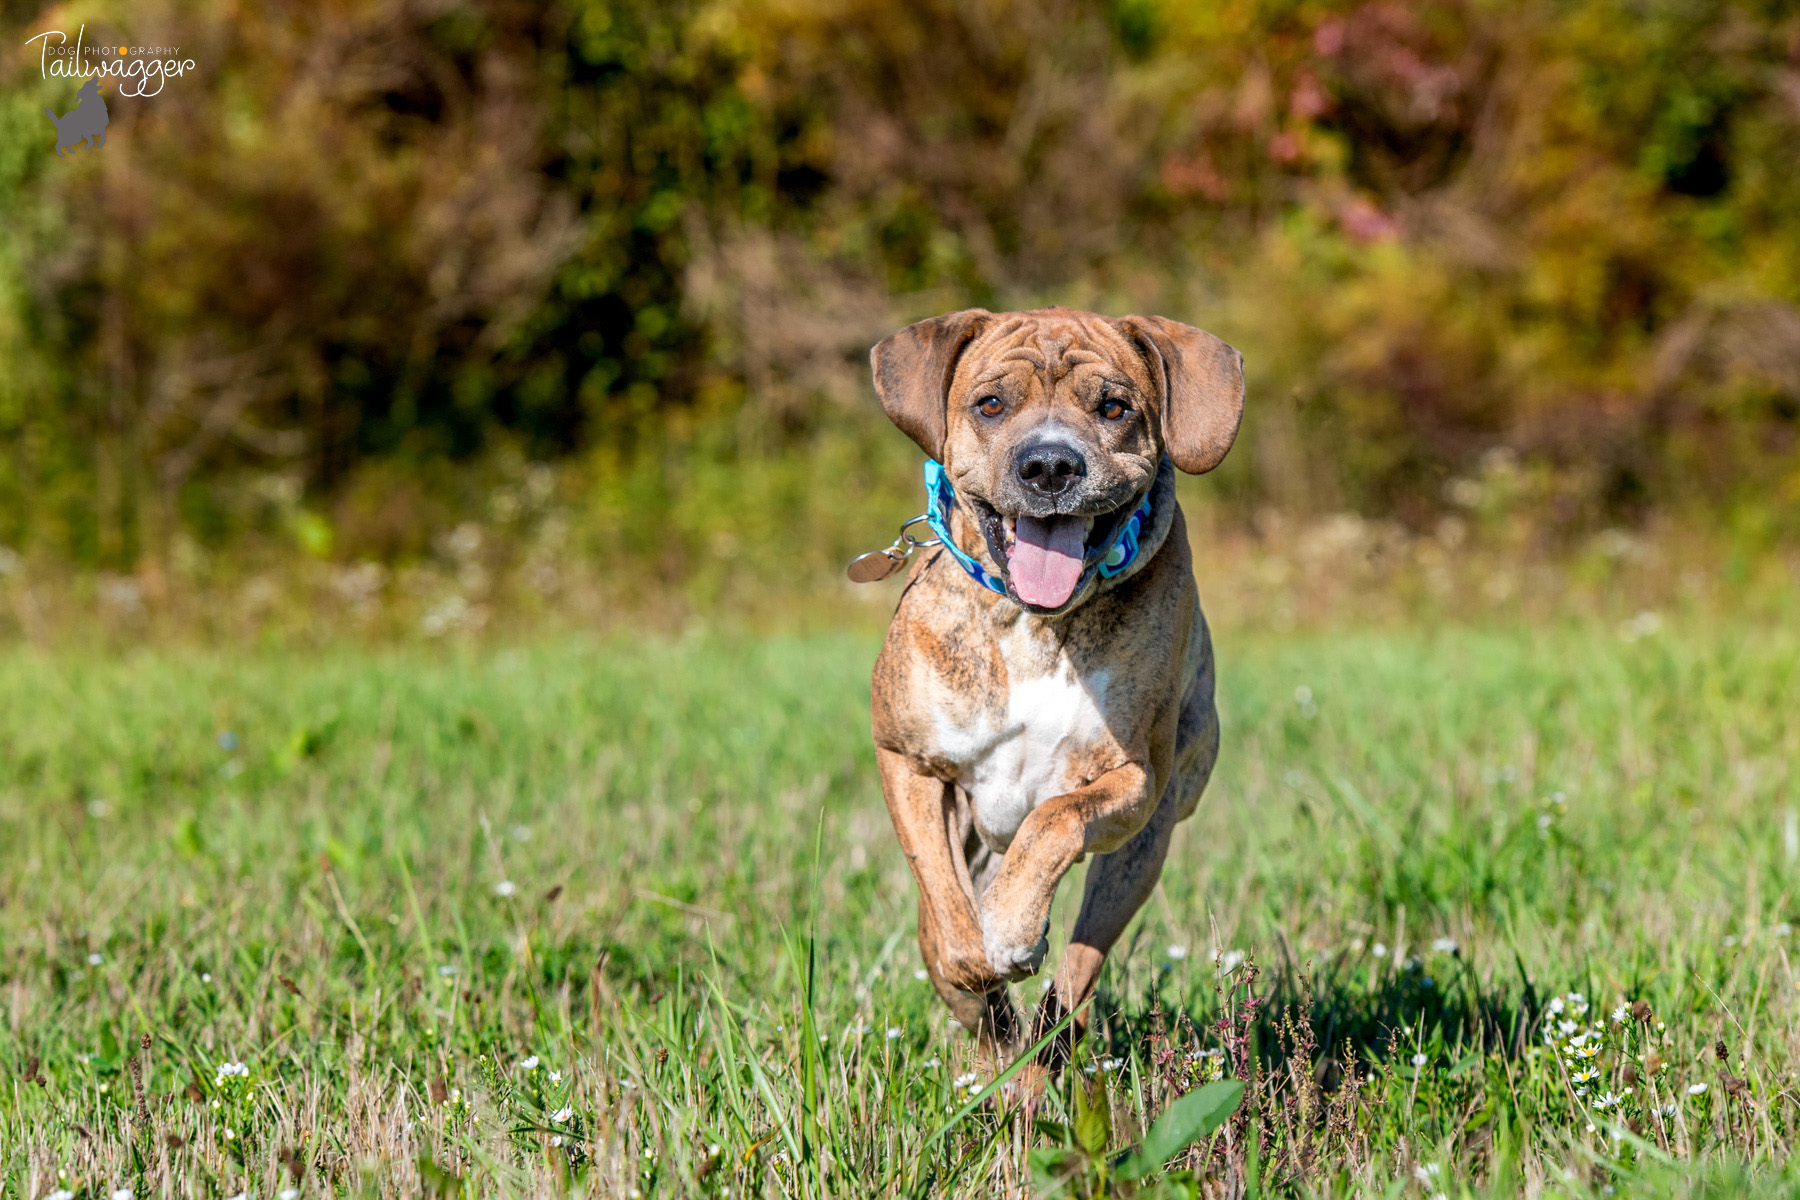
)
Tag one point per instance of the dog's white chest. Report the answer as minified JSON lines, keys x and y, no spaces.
{"x":1023,"y":749}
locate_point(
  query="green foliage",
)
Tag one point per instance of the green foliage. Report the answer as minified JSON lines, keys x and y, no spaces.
{"x":351,"y":257}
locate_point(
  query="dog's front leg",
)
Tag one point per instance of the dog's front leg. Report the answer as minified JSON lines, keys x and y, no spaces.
{"x":1015,"y":911}
{"x":1118,"y":883}
{"x":925,"y":820}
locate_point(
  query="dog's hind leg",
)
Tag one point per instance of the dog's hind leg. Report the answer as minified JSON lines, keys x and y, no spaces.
{"x":1117,"y":886}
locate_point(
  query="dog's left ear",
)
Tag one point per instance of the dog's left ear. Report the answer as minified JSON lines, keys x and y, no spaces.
{"x":1202,"y":381}
{"x":913,"y":370}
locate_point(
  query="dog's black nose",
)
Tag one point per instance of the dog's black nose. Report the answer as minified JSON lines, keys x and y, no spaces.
{"x":1049,"y":467}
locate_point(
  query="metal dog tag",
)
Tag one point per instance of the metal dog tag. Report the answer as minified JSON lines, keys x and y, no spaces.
{"x":875,"y":566}
{"x":879,"y":564}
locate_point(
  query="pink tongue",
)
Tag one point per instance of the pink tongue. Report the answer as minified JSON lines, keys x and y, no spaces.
{"x":1045,"y":563}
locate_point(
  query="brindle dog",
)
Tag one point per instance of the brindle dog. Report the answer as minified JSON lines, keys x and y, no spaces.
{"x":1074,"y":715}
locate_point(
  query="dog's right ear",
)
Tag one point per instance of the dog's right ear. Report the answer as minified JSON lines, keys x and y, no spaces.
{"x":913,"y":370}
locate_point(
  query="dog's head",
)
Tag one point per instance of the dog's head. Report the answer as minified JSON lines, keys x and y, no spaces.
{"x":1051,"y":425}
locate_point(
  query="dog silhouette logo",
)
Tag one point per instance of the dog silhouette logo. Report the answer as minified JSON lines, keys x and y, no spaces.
{"x":83,"y":123}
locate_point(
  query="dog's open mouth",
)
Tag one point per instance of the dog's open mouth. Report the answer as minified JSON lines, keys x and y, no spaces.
{"x":1047,"y":558}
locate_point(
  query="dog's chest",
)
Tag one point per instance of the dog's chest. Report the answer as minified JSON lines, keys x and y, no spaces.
{"x":1036,"y":737}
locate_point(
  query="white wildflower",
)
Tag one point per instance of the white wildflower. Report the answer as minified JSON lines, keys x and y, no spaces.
{"x":1444,"y":945}
{"x":529,"y":1064}
{"x":1177,"y":952}
{"x":95,"y":960}
{"x":562,"y":1114}
{"x":505,"y":887}
{"x":1379,"y":950}
{"x":1696,"y":1089}
{"x":1419,"y":1060}
{"x":921,"y":974}
{"x":894,"y":1032}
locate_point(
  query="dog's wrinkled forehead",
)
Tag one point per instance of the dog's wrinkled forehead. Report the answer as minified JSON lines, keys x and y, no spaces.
{"x":1048,"y":347}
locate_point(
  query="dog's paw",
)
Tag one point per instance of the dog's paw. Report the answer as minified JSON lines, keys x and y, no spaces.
{"x":967,"y":971}
{"x":1012,"y":952}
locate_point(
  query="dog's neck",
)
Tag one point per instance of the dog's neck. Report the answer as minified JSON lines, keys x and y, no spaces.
{"x":969,"y":539}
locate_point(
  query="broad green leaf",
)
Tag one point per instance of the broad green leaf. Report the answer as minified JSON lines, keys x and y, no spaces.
{"x":1187,"y":1120}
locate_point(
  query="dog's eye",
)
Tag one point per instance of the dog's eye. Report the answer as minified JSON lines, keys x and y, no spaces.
{"x":1112,"y":409}
{"x":990,"y":406}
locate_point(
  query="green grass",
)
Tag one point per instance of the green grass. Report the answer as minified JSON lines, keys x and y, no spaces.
{"x":688,"y":832}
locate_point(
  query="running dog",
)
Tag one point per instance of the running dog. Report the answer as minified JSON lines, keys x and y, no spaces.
{"x":1045,"y":693}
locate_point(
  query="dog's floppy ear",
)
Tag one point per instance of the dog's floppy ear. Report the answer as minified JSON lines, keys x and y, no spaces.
{"x":1202,"y":381}
{"x":913,"y":369}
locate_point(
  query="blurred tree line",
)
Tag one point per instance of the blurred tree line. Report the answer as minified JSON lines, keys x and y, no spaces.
{"x":367,"y":250}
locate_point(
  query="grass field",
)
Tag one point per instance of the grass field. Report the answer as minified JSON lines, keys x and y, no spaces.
{"x":561,"y":917}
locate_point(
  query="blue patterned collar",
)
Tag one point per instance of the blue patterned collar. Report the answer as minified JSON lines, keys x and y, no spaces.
{"x":1121,"y":551}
